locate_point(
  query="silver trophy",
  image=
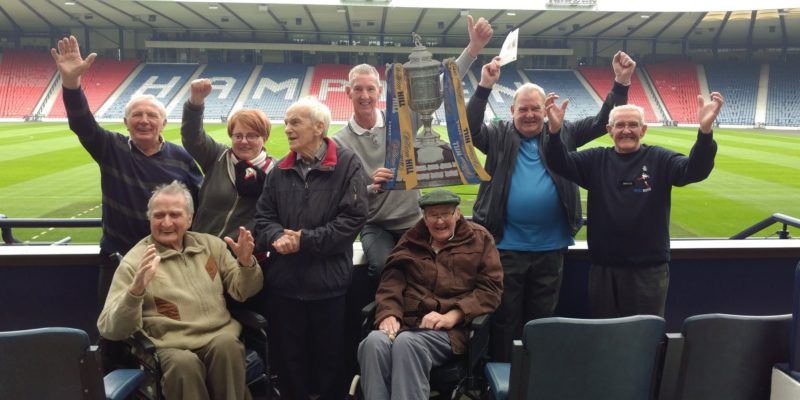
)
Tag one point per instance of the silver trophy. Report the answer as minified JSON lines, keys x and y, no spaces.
{"x":425,"y":97}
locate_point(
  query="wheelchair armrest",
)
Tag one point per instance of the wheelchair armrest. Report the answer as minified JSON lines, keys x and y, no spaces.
{"x":369,"y":310}
{"x":141,"y":343}
{"x":478,"y":341}
{"x":249,"y":319}
{"x":479,"y":322}
{"x":368,"y":314}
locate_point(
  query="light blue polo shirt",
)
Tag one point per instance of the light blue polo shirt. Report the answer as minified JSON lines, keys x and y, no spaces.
{"x":534,"y":219}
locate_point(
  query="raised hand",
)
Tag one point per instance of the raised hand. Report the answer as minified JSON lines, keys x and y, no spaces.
{"x":69,"y":62}
{"x":243,"y":247}
{"x":624,"y":66}
{"x":147,"y":270}
{"x":707,"y":112}
{"x":201,"y":88}
{"x":490,"y":73}
{"x":479,"y":35}
{"x":555,"y":113}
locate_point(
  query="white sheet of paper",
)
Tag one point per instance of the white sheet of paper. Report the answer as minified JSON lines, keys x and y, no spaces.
{"x":508,"y":52}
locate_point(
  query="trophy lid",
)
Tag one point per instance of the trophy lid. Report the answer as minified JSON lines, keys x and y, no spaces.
{"x":420,"y":57}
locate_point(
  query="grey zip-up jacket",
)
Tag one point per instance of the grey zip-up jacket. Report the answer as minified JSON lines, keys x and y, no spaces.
{"x":500,"y":142}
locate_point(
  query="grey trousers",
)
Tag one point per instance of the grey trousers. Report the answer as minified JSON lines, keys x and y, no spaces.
{"x":622,"y":291}
{"x":214,"y":372}
{"x":531,"y":286}
{"x":400,"y":370}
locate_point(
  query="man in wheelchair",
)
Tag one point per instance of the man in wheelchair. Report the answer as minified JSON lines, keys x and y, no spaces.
{"x":170,"y":286}
{"x":443,"y":272}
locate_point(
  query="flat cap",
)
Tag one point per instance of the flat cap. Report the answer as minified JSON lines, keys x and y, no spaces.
{"x":438,"y":197}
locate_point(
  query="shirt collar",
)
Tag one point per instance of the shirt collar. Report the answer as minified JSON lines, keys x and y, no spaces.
{"x":131,"y":144}
{"x":359,"y":130}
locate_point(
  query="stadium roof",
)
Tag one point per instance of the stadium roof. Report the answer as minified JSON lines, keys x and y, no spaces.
{"x":730,"y":23}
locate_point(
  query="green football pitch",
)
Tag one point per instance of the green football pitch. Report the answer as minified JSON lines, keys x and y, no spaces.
{"x":45,"y":173}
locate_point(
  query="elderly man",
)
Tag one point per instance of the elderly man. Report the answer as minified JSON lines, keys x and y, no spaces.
{"x":630,"y":190}
{"x":532,"y":213}
{"x":390,"y":213}
{"x":313,"y":205}
{"x":130,"y":166}
{"x":444,"y":272}
{"x":170,"y":286}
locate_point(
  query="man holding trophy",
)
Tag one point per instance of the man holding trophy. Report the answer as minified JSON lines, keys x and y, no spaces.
{"x":391,"y":212}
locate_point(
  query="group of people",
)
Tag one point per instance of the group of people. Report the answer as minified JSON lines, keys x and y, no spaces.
{"x":283,"y":229}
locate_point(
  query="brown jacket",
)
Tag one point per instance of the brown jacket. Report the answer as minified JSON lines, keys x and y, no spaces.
{"x":465,"y":274}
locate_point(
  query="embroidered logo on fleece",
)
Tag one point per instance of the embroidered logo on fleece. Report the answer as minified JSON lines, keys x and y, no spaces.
{"x":642,"y":182}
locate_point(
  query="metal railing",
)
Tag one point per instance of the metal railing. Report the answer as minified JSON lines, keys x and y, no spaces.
{"x":774,"y":218}
{"x":7,"y":223}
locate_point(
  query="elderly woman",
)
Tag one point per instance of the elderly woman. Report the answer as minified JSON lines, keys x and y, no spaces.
{"x":234,"y":175}
{"x":313,"y":205}
{"x":444,"y":272}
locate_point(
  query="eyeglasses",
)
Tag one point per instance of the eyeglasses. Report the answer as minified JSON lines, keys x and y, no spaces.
{"x":441,"y":215}
{"x":631,"y":125}
{"x":251,"y":137}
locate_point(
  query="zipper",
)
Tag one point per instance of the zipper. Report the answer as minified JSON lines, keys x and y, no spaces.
{"x":228,"y":217}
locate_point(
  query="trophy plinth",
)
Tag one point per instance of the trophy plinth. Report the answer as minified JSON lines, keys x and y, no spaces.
{"x":425,"y":97}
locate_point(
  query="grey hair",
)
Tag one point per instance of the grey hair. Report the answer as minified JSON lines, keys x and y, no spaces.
{"x":171,"y":189}
{"x":146,"y":97}
{"x":363,"y":69}
{"x":317,"y":112}
{"x":626,"y":107}
{"x":525,"y":88}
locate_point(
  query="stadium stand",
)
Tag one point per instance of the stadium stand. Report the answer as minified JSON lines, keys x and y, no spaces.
{"x":601,"y":78}
{"x":738,"y":82}
{"x":276,"y":87}
{"x":567,"y":86}
{"x":99,"y":82}
{"x":678,"y":87}
{"x":161,"y":80}
{"x":503,"y":91}
{"x":227,"y":82}
{"x":24,"y":76}
{"x":328,"y":85}
{"x":783,"y":99}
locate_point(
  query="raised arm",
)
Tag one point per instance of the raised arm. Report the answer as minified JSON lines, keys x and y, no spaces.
{"x":698,"y":165}
{"x":69,"y":62}
{"x":476,"y":108}
{"x":201,"y":146}
{"x":624,"y":67}
{"x":480,"y":33}
{"x":590,"y":128}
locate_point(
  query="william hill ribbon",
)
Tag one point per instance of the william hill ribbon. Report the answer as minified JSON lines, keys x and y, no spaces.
{"x":469,"y":167}
{"x":400,"y":157}
{"x":457,"y":163}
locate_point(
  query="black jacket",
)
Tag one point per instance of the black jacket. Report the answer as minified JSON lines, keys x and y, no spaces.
{"x":500,"y":142}
{"x":329,"y":207}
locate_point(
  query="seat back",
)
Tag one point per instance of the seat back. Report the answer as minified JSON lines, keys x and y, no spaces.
{"x":731,"y":356}
{"x":569,"y":358}
{"x":48,"y":363}
{"x":794,"y":334}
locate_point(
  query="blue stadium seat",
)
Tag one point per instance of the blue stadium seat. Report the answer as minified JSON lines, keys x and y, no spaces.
{"x":738,"y":82}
